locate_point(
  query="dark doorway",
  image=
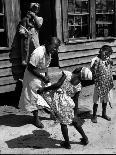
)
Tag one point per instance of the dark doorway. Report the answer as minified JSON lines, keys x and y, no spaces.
{"x":47,"y":11}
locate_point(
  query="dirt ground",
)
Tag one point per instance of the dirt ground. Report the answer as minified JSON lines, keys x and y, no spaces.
{"x":19,"y":136}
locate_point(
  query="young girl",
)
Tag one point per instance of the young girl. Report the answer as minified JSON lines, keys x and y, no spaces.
{"x":59,"y":98}
{"x":102,"y":75}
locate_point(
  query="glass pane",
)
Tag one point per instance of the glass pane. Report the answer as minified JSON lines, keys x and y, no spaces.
{"x":78,"y":18}
{"x":71,"y":6}
{"x":104,"y":5}
{"x":104,"y":18}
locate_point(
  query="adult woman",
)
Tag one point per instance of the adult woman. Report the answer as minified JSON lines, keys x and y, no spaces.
{"x":59,"y":98}
{"x":35,"y":77}
{"x":29,"y":31}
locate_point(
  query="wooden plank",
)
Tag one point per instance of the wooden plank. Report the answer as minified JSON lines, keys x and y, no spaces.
{"x":7,"y":88}
{"x":92,"y":19}
{"x":85,"y":46}
{"x":5,"y":72}
{"x":58,"y":19}
{"x":65,"y":25}
{"x":77,"y":54}
{"x":12,"y":9}
{"x":15,"y":70}
{"x":7,"y":80}
{"x":76,"y":61}
{"x":6,"y":56}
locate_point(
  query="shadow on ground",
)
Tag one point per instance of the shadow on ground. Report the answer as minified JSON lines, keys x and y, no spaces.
{"x":17,"y":120}
{"x":40,"y":139}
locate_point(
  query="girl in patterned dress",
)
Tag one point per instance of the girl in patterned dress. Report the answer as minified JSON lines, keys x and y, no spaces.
{"x":62,"y":97}
{"x":102,"y":75}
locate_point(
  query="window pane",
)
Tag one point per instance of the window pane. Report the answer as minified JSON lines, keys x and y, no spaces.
{"x":104,"y":18}
{"x":78,"y":18}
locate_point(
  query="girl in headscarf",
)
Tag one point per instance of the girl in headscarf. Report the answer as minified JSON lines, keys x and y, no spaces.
{"x":62,"y":97}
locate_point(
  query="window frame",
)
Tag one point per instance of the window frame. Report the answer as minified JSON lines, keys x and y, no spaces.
{"x":92,"y":26}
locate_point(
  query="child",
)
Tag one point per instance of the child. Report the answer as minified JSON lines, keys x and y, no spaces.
{"x":59,"y":98}
{"x":102,"y":75}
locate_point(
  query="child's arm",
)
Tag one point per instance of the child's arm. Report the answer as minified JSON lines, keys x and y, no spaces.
{"x":53,"y":86}
{"x":110,"y":61}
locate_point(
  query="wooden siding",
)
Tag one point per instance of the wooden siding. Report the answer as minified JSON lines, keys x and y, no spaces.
{"x":73,"y":55}
{"x":7,"y":82}
{"x":12,"y":11}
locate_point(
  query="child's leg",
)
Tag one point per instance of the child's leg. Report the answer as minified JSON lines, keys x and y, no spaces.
{"x":95,"y":106}
{"x":75,"y":99}
{"x":84,"y":138}
{"x":104,"y":106}
{"x":94,"y":117}
{"x":66,"y":143}
{"x":37,"y":121}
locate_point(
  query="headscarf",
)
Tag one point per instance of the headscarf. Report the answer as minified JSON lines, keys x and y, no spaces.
{"x":86,"y":74}
{"x":34,"y":5}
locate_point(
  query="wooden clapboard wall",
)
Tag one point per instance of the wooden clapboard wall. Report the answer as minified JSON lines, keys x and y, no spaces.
{"x":80,"y":54}
{"x":12,"y":15}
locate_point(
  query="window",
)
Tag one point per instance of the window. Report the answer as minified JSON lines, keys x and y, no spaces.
{"x":87,"y":19}
{"x":78,"y":18}
{"x":104,"y":18}
{"x":3,"y":37}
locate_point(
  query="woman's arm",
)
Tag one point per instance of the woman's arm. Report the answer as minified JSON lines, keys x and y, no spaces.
{"x":54,"y":86}
{"x":34,"y":70}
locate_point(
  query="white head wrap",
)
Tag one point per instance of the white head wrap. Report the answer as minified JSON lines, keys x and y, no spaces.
{"x":86,"y":74}
{"x":34,"y":4}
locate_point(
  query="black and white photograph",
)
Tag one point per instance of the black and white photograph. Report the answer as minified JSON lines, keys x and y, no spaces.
{"x":58,"y":76}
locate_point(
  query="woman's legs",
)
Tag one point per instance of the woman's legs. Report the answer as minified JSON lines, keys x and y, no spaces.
{"x":84,"y":138}
{"x":37,"y":121}
{"x":66,"y":143}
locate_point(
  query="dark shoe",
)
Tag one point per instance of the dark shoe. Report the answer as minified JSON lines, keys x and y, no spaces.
{"x":84,"y":141}
{"x":94,"y":119}
{"x":38,"y":124}
{"x":106,"y":117}
{"x":65,"y":145}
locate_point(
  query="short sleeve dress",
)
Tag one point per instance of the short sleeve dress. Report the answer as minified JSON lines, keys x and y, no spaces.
{"x":30,"y":100}
{"x":103,"y":78}
{"x":60,"y":100}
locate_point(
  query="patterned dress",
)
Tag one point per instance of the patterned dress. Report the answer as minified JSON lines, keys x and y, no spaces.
{"x":60,"y":100}
{"x":103,"y":78}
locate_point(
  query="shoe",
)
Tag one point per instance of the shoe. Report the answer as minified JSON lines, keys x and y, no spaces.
{"x":65,"y":145}
{"x":84,"y":141}
{"x":94,"y":119}
{"x":106,"y":117}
